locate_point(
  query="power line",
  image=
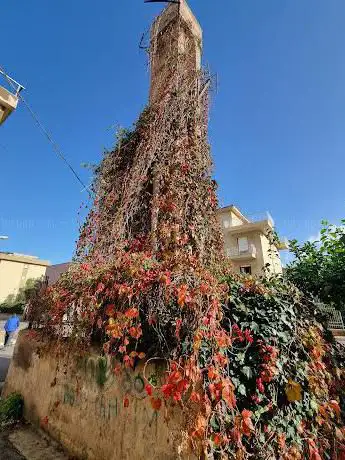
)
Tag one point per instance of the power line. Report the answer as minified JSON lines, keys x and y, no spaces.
{"x":55,"y":146}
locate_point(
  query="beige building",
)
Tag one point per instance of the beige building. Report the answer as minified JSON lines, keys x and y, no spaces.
{"x":8,"y":103}
{"x":247,"y":242}
{"x":16,"y":269}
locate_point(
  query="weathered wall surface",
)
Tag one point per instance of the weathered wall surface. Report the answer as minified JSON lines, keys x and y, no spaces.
{"x":81,"y":403}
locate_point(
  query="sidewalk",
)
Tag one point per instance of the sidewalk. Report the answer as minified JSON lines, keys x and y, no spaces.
{"x":23,"y":443}
{"x":6,"y":354}
{"x":7,"y":450}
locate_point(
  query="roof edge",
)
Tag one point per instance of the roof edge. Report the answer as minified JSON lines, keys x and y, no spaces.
{"x":236,"y":211}
{"x":23,"y":259}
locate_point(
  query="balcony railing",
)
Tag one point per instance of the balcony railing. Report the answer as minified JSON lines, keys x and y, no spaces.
{"x":334,"y":317}
{"x":259,"y":216}
{"x":235,"y":252}
{"x":8,"y":97}
{"x":283,"y":244}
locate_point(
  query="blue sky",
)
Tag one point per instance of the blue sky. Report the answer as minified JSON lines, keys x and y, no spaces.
{"x":277,"y":126}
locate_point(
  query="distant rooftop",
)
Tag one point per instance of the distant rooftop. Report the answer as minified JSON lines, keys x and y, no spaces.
{"x":253,"y":217}
{"x":18,"y":254}
{"x":54,"y":271}
{"x":24,"y":258}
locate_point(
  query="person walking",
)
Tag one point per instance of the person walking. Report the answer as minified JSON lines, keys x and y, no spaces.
{"x":11,"y":326}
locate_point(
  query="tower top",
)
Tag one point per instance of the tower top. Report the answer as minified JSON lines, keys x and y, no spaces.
{"x":175,"y":11}
{"x":175,"y":48}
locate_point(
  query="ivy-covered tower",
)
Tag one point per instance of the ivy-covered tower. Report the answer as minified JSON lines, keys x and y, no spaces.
{"x":156,"y":184}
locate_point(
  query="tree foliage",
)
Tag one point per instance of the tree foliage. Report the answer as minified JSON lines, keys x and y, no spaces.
{"x":15,"y":303}
{"x":319,"y":266}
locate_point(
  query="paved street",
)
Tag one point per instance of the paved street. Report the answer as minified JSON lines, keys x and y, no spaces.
{"x":6,"y":354}
{"x":7,"y":450}
{"x":22,"y":442}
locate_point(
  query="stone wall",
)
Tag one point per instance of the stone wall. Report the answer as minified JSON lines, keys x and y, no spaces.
{"x":94,"y":413}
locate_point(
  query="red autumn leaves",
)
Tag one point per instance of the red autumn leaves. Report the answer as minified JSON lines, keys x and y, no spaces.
{"x":243,"y":426}
{"x":313,"y":451}
{"x":220,"y":387}
{"x":269,"y":356}
{"x":145,"y":273}
{"x":156,"y":402}
{"x":132,"y":313}
{"x":123,"y":326}
{"x":246,"y":425}
{"x":175,"y":387}
{"x":183,"y":295}
{"x":241,"y":336}
{"x":110,"y":310}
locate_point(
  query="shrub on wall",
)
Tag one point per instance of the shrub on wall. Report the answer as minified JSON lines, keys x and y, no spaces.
{"x":11,"y":409}
{"x":16,"y":308}
{"x":249,"y":356}
{"x":287,"y":375}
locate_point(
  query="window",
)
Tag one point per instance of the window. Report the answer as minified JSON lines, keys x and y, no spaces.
{"x":243,"y":244}
{"x":247,"y":269}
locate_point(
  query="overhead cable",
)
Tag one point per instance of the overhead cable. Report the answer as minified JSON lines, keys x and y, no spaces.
{"x":55,"y":146}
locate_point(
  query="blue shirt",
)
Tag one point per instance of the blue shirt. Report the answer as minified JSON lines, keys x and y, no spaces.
{"x":12,"y":324}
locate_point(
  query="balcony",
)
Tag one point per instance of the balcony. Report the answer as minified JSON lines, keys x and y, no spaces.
{"x":236,"y":254}
{"x":8,"y":97}
{"x":8,"y":102}
{"x":283,"y":244}
{"x":262,"y":226}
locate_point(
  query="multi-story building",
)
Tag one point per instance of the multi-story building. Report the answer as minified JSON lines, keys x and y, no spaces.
{"x":249,"y":244}
{"x":16,"y":269}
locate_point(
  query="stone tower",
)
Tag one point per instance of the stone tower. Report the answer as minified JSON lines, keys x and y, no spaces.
{"x":175,"y":49}
{"x":156,"y":184}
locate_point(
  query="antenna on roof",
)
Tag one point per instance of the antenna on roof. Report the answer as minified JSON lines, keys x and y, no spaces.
{"x":13,"y":83}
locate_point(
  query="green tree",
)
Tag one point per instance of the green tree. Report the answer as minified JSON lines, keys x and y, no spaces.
{"x":319,"y":266}
{"x":16,"y":303}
